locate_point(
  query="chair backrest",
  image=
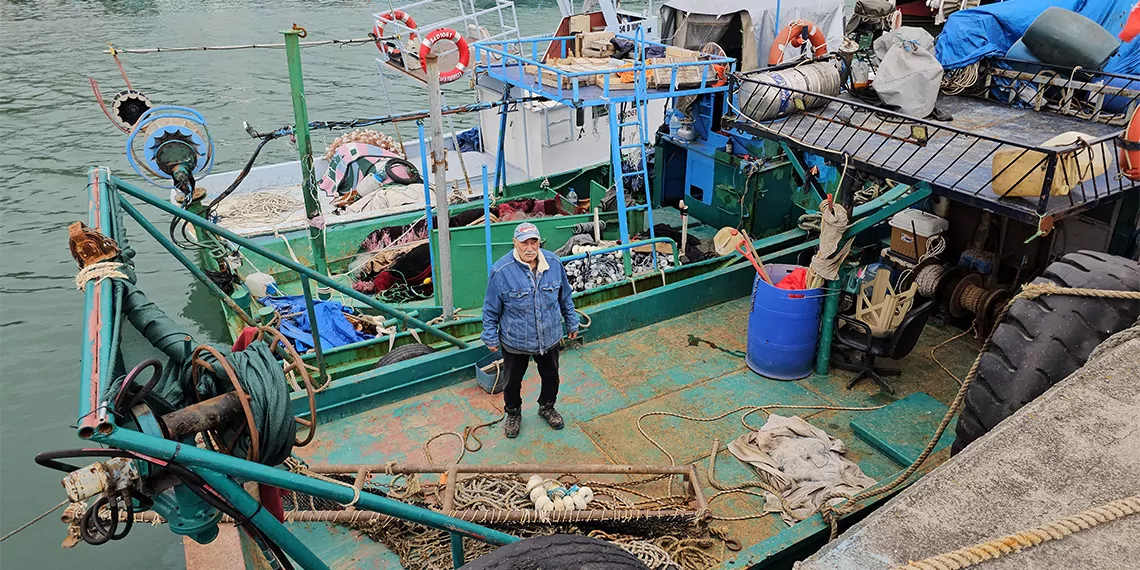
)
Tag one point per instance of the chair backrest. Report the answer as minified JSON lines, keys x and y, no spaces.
{"x":906,"y":335}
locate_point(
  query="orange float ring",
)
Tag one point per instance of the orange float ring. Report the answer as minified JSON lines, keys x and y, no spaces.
{"x":1130,"y":149}
{"x":378,"y":29}
{"x":1132,"y":25}
{"x":460,"y":43}
{"x":793,"y":36}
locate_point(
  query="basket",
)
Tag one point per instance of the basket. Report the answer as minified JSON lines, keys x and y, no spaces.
{"x":488,"y":373}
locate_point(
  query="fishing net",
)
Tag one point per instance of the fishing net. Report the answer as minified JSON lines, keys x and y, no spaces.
{"x":676,"y":543}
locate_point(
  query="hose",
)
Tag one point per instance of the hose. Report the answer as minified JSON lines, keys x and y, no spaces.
{"x":191,"y":480}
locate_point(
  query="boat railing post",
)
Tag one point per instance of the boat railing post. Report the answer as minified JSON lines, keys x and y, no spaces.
{"x":429,"y":222}
{"x":457,"y":559}
{"x":487,"y":221}
{"x":439,"y":174}
{"x":316,"y":221}
{"x":311,"y":310}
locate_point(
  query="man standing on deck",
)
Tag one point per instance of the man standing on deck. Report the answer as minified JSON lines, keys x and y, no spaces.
{"x":528,"y":298}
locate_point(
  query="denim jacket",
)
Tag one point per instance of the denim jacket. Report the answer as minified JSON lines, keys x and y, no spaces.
{"x":513,"y":314}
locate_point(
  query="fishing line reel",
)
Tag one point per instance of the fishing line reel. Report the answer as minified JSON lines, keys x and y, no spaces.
{"x":170,"y":146}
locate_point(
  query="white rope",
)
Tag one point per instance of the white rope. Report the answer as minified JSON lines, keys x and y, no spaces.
{"x":264,"y":207}
{"x":98,"y":272}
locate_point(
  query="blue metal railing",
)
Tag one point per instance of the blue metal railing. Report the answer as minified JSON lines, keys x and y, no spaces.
{"x":508,"y":65}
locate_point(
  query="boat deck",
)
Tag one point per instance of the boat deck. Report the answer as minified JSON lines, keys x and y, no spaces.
{"x":608,"y":384}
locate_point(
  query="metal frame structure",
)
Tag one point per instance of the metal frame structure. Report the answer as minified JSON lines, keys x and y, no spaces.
{"x":506,"y":29}
{"x":846,"y":129}
{"x":508,"y":63}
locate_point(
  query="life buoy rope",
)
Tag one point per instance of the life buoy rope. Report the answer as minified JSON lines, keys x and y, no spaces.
{"x":460,"y":43}
{"x":378,"y":29}
{"x":792,"y":35}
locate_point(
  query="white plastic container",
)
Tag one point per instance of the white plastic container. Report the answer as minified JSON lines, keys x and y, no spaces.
{"x":911,"y":228}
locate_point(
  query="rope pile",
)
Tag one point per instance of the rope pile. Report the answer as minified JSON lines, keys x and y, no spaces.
{"x":263,"y":207}
{"x":661,"y":547}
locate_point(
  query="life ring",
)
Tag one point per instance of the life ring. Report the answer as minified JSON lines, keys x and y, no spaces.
{"x":793,"y":36}
{"x":1130,"y":149}
{"x":378,"y":29}
{"x":460,"y":43}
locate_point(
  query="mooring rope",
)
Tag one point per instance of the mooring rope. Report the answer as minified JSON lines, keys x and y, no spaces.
{"x":1021,"y":540}
{"x":832,"y":513}
{"x":97,"y":272}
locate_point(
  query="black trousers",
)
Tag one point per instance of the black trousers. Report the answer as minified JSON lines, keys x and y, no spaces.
{"x":514,"y":367}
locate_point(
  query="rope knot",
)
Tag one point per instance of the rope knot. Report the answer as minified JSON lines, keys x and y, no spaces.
{"x":97,"y":272}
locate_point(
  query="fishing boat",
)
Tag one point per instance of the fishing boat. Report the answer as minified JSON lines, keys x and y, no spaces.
{"x":783,"y":216}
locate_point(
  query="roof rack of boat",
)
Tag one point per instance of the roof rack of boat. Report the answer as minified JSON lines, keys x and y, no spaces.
{"x":994,"y":153}
{"x":554,"y":67}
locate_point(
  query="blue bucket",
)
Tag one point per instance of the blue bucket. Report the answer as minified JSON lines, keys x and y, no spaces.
{"x":491,"y":382}
{"x":783,"y":327}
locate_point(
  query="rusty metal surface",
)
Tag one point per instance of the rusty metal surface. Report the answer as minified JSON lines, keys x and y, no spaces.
{"x":608,"y":384}
{"x":215,"y":413}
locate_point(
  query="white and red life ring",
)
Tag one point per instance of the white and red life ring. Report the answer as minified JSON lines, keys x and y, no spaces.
{"x":792,"y":35}
{"x":460,"y":43}
{"x":378,"y":29}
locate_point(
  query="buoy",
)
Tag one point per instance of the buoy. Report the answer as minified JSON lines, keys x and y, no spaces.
{"x":534,"y":481}
{"x":536,"y":494}
{"x":579,"y":502}
{"x":460,"y":43}
{"x":792,"y":35}
{"x":378,"y":29}
{"x":568,"y":503}
{"x":1130,"y":149}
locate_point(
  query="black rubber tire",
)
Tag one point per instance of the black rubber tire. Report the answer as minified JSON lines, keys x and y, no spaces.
{"x":557,"y":552}
{"x":1042,"y":341}
{"x":404,"y":352}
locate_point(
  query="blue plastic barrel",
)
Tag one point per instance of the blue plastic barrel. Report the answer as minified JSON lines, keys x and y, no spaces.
{"x":783,"y":327}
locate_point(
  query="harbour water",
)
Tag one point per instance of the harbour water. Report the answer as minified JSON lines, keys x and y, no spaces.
{"x":51,"y":131}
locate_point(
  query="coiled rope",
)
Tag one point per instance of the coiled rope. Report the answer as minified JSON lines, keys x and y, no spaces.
{"x":832,"y":513}
{"x":1016,"y":542}
{"x":97,"y":272}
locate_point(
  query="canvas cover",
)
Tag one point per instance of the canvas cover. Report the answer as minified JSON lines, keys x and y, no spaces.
{"x":693,"y":23}
{"x":990,"y":30}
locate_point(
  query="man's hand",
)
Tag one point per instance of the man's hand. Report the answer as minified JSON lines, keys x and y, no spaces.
{"x":493,"y":348}
{"x":573,"y":335}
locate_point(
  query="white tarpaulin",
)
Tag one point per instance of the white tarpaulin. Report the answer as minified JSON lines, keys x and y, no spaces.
{"x":692,"y":23}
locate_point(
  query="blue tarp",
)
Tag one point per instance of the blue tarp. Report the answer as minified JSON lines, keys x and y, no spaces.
{"x":334,"y":327}
{"x":991,"y":30}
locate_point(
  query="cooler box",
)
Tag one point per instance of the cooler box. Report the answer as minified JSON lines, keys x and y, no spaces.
{"x":910,"y":229}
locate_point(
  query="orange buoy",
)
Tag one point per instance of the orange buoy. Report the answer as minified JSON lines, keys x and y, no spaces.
{"x":792,"y":35}
{"x":460,"y":43}
{"x":1130,"y":149}
{"x":378,"y":29}
{"x":1132,"y":25}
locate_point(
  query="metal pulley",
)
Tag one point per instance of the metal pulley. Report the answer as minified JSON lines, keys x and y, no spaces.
{"x":170,"y":146}
{"x":128,"y":106}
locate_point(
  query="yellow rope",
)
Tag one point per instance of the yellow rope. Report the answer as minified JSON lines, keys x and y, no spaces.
{"x":1056,"y":530}
{"x":832,"y":513}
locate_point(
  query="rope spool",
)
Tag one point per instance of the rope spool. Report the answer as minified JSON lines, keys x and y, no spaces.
{"x":928,"y":277}
{"x":128,"y":106}
{"x":763,"y":99}
{"x":969,"y":289}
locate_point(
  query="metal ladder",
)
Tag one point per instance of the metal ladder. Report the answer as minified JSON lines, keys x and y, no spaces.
{"x":640,"y":101}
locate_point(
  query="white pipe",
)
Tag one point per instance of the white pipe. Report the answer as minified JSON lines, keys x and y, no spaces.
{"x":439,"y":173}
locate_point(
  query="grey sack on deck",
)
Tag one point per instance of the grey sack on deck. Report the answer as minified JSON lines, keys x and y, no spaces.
{"x":909,"y":75}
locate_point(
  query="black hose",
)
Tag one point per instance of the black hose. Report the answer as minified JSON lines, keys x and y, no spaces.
{"x":130,"y":523}
{"x":134,"y":373}
{"x":192,"y":480}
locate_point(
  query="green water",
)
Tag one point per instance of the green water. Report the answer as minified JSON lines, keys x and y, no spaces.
{"x":52,"y":130}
